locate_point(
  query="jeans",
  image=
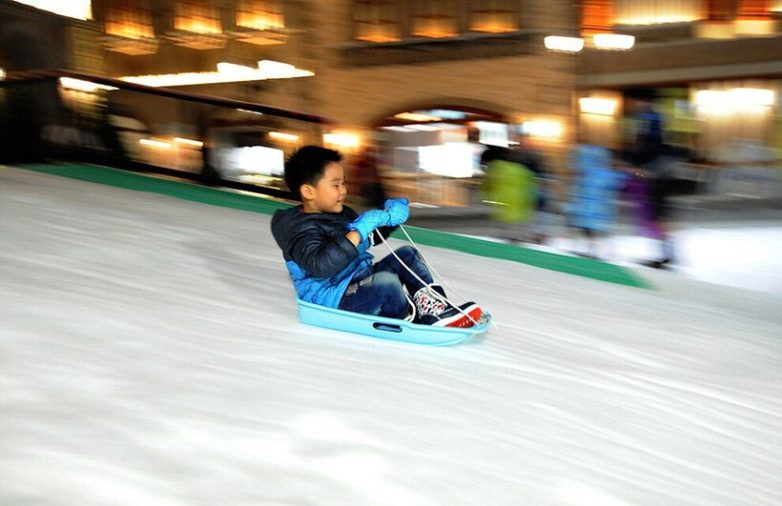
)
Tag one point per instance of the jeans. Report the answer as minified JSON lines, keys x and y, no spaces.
{"x":380,"y":289}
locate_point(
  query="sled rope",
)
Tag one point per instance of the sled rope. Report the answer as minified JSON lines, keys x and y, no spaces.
{"x":428,"y":265}
{"x":434,"y":272}
{"x":437,"y":275}
{"x":424,"y":283}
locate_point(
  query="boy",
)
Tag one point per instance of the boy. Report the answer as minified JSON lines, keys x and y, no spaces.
{"x":324,"y":244}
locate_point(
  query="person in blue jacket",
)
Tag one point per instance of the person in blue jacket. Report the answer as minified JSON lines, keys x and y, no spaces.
{"x":593,"y":198}
{"x":325,"y":245}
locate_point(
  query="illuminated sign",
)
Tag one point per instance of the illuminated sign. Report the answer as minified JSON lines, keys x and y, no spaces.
{"x":226,"y":73}
{"x":79,"y":9}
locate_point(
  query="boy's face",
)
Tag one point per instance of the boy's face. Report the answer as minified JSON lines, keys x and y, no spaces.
{"x":328,"y":194}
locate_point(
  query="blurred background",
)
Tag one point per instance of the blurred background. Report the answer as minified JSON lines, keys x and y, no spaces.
{"x":551,"y":123}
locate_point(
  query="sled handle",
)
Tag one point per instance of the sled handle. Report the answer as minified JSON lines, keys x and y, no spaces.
{"x":387,"y":327}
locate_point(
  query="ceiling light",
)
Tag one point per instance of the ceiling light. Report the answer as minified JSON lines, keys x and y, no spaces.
{"x":226,"y":73}
{"x":79,"y":85}
{"x":154,"y":143}
{"x":284,"y":137}
{"x":614,"y":41}
{"x":188,"y":142}
{"x":564,"y":44}
{"x":415,"y":116}
{"x":600,"y":106}
{"x":542,"y":128}
{"x":342,"y":139}
{"x":79,"y":9}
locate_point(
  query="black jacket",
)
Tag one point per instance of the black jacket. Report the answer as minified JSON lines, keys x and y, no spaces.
{"x":319,"y":258}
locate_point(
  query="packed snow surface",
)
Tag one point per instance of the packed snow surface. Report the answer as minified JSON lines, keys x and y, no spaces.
{"x":150,"y":354}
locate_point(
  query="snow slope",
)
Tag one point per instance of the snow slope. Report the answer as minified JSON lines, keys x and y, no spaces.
{"x":150,"y":354}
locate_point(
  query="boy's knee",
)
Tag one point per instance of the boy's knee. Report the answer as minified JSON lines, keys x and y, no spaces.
{"x":407,"y":252}
{"x":388,"y":282}
{"x":393,"y":292}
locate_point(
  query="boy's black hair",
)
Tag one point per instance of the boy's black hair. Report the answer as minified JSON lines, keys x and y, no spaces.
{"x":306,"y":166}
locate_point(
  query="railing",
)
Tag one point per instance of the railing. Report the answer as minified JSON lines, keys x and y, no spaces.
{"x":62,"y":115}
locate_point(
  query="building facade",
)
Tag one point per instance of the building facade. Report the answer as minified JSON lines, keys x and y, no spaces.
{"x":397,"y":70}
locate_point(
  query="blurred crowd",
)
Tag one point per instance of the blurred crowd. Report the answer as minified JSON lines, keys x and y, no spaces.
{"x":527,"y":200}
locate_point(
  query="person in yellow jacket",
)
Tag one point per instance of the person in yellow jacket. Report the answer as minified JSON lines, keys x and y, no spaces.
{"x":510,"y":189}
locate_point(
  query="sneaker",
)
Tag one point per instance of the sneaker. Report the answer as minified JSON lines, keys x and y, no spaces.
{"x":428,"y":301}
{"x":432,"y":310}
{"x":462,"y":317}
{"x":657,"y":264}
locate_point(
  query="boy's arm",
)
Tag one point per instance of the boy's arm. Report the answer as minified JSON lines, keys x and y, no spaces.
{"x":399,"y":208}
{"x":321,"y":255}
{"x":354,"y":237}
{"x":383,"y":221}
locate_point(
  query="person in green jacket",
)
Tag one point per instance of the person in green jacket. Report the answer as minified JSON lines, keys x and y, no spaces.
{"x":510,"y":189}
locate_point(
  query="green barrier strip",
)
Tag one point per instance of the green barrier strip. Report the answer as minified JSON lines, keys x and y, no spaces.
{"x":145,"y":183}
{"x":585,"y":267}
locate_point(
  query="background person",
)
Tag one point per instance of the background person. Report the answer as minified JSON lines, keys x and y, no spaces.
{"x":646,"y":152}
{"x":594,"y":194}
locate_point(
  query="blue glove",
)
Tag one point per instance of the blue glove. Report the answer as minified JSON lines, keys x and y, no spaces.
{"x":398,"y":210}
{"x":369,"y":221}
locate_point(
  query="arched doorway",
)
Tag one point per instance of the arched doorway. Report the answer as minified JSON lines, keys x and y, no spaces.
{"x":430,"y":153}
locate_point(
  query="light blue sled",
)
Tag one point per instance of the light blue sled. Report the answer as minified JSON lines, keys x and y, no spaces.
{"x":387,"y":328}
